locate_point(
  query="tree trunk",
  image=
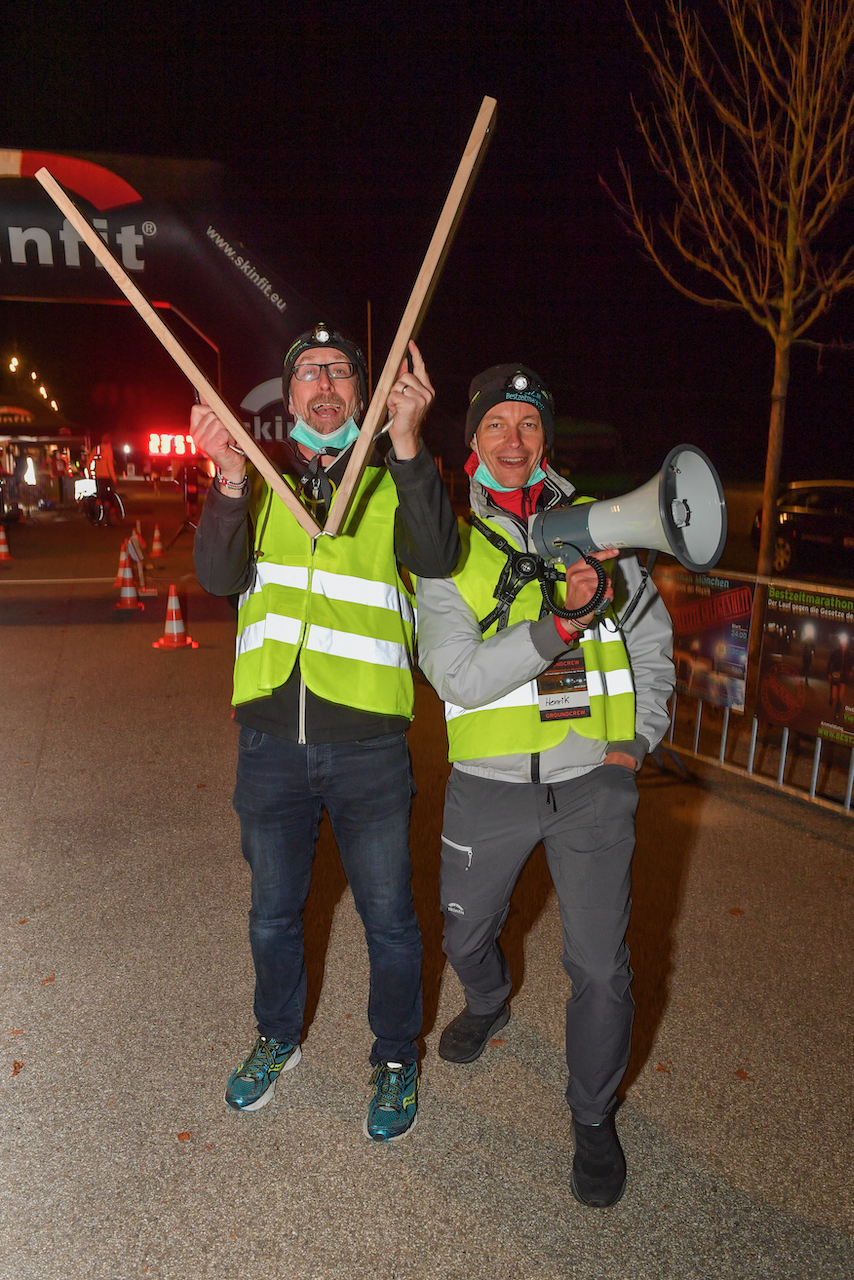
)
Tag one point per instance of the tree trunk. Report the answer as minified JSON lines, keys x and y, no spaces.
{"x":782,"y":354}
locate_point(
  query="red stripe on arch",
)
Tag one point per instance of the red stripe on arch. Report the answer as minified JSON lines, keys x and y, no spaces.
{"x":101,"y":187}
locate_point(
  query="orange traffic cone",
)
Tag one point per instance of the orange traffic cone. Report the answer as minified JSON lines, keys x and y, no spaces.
{"x":175,"y":636}
{"x":5,"y":553}
{"x":123,"y":555}
{"x":157,"y":545}
{"x":128,"y":598}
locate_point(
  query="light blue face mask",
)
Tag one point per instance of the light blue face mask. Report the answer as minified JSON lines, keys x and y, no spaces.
{"x":312,"y":439}
{"x":485,"y":477}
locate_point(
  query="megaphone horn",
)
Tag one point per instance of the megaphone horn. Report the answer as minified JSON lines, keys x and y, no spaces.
{"x":682,"y":510}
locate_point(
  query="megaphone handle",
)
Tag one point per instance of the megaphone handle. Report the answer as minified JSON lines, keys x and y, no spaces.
{"x":570,"y":615}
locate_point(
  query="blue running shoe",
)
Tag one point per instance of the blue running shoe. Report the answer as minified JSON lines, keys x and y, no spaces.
{"x":253,"y":1084}
{"x":393,"y":1109}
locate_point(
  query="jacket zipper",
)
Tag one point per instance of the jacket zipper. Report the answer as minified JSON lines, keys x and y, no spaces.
{"x":301,"y":726}
{"x":301,"y":737}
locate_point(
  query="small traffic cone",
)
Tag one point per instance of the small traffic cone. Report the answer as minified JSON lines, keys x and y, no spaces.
{"x":175,"y":637}
{"x":157,"y":545}
{"x":5,"y":553}
{"x":128,"y":598}
{"x":123,"y":555}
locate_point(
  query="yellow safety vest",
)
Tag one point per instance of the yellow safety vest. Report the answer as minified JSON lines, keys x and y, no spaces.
{"x":337,"y":605}
{"x":511,"y":725}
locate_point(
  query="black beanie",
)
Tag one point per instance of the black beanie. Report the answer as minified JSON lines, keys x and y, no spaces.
{"x":323,"y":335}
{"x":509,"y":382}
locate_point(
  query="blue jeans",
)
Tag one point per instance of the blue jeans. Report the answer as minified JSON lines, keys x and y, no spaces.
{"x":366,"y":788}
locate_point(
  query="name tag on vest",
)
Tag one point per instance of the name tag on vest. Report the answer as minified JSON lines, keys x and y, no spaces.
{"x":562,"y":689}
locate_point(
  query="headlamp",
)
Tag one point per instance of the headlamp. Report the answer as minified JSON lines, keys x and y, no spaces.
{"x":524,"y":387}
{"x":321,"y":333}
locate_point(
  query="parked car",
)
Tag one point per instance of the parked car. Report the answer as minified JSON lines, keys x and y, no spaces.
{"x":815,"y":526}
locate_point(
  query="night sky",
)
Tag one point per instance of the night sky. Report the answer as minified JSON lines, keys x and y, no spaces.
{"x":348,"y":122}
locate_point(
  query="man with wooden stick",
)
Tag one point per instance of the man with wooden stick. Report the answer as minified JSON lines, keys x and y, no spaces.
{"x":323,"y":693}
{"x":548,"y":717}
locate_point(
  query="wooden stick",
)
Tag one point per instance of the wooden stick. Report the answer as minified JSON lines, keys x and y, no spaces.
{"x":182,"y":358}
{"x":416,"y":308}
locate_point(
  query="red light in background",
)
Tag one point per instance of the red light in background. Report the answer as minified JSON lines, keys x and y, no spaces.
{"x":162,"y":444}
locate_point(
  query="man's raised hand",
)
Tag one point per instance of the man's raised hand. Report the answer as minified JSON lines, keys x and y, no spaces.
{"x":408,"y":402}
{"x":214,"y":440}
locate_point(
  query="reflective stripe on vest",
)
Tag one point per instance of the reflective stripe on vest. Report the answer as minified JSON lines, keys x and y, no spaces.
{"x":336,"y":586}
{"x":338,"y":607}
{"x":344,"y":586}
{"x":283,"y":575}
{"x":346,"y":644}
{"x":511,"y":725}
{"x":524,"y":696}
{"x":274,"y":626}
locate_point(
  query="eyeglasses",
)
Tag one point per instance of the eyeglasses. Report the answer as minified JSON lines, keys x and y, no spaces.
{"x":311,"y":372}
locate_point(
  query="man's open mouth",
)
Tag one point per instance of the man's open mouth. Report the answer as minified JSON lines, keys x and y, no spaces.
{"x":326,"y":408}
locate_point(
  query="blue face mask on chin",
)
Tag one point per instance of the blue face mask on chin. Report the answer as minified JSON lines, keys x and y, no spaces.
{"x":485,"y":477}
{"x":312,"y":439}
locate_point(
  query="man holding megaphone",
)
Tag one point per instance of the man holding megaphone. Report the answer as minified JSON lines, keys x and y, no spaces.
{"x":551,"y":705}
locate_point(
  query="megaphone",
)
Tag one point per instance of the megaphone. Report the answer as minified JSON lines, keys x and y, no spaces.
{"x":681,"y":510}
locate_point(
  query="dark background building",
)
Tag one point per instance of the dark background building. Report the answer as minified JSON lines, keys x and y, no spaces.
{"x":346,"y":122}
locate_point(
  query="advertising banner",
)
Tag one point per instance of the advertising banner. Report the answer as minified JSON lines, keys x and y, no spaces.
{"x":806,"y":672}
{"x":194,"y":241}
{"x":711,"y":633}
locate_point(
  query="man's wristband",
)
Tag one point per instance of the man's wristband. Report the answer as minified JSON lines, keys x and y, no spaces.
{"x":568,"y":636}
{"x":233,"y":486}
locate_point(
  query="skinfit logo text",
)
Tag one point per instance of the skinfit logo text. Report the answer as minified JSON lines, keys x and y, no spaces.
{"x":34,"y":246}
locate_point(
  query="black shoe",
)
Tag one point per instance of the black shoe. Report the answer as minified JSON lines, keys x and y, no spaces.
{"x":599,"y":1166}
{"x":465,"y":1039}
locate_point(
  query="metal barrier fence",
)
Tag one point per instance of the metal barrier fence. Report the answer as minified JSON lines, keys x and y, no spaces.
{"x":798,"y":763}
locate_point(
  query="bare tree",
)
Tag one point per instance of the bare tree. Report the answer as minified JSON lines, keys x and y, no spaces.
{"x":753,"y":132}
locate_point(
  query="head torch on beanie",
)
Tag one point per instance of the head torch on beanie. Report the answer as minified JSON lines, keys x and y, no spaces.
{"x":509,"y":382}
{"x":323,"y":335}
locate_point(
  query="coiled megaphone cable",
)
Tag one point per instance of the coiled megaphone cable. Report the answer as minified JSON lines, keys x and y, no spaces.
{"x":595,"y":601}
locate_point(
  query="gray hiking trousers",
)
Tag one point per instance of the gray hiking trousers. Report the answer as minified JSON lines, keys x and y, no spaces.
{"x":588,"y":828}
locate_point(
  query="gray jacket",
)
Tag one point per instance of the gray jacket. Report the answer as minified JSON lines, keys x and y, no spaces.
{"x":469,"y":671}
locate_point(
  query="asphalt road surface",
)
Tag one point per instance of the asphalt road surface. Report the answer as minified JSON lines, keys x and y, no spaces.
{"x":126,"y":992}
